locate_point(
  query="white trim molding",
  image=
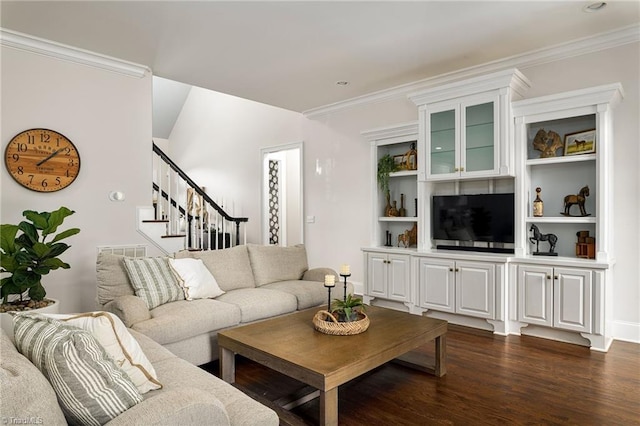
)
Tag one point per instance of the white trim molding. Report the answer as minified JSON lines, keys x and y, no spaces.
{"x":595,"y":43}
{"x":625,"y":331}
{"x":40,"y":46}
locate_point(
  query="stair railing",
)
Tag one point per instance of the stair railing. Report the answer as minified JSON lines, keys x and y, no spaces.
{"x":188,"y":210}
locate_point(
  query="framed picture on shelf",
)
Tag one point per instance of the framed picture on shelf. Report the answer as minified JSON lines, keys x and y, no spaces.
{"x":400,"y":161}
{"x":583,"y":142}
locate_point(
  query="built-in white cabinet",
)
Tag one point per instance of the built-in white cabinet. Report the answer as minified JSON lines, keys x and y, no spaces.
{"x":556,"y":297}
{"x":462,"y":287}
{"x":466,"y":126}
{"x":478,"y":136}
{"x":388,"y":276}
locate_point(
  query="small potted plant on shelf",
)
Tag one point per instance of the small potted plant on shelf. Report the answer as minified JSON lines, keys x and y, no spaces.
{"x":348,"y":309}
{"x":386,"y":165}
{"x":28,"y":251}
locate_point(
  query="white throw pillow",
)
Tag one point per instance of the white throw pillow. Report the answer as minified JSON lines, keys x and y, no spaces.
{"x":195,"y":278}
{"x":112,"y":334}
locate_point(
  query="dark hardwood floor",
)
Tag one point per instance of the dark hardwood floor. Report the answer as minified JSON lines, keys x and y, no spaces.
{"x":490,"y":380}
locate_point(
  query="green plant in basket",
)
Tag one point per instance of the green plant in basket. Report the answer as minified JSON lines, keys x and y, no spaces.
{"x":346,"y":310}
{"x":26,"y":255}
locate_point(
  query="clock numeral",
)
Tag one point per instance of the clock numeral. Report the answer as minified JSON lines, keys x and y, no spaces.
{"x":58,"y":181}
{"x":15,"y":157}
{"x":45,"y":137}
{"x":67,"y":173}
{"x":67,"y":151}
{"x":22,"y":147}
{"x":31,"y":139}
{"x":44,"y":183}
{"x":31,"y":179}
{"x":71,"y":162}
{"x":20,"y":170}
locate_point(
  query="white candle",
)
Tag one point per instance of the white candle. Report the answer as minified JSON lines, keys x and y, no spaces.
{"x":329,"y":280}
{"x":345,"y":269}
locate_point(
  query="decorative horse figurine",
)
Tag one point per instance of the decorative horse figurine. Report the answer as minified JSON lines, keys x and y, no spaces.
{"x":552,"y":239}
{"x":579,"y":199}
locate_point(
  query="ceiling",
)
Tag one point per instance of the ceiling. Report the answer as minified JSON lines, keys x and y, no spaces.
{"x":291,"y":54}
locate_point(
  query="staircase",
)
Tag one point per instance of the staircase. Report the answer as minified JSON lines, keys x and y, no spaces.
{"x":183,"y":216}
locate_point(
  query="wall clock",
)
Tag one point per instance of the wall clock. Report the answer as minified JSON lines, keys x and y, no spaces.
{"x":42,"y":160}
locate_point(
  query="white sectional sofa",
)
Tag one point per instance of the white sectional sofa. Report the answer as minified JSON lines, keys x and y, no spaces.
{"x":259,"y":282}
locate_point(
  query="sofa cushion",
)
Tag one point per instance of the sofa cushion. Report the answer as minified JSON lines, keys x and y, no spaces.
{"x":230,"y":267}
{"x":32,"y":394}
{"x":112,"y":278}
{"x":274,"y":263}
{"x":176,"y":321}
{"x":91,"y":389}
{"x":307,"y":293}
{"x":195,"y":279}
{"x":242,"y":410}
{"x":114,"y":337}
{"x":260,"y":303}
{"x":152,"y":280}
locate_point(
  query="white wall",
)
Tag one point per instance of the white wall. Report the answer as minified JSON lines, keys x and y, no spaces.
{"x":338,"y":187}
{"x":108,"y":117}
{"x":217,"y":140}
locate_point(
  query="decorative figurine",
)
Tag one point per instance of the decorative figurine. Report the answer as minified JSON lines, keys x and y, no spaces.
{"x":552,"y":239}
{"x":402,"y":212}
{"x":413,"y":235}
{"x":404,"y":239}
{"x":393,"y":212}
{"x":547,"y":143}
{"x":579,"y":199}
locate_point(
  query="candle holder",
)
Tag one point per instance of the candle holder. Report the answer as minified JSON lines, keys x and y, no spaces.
{"x":329,"y":287}
{"x":345,"y":276}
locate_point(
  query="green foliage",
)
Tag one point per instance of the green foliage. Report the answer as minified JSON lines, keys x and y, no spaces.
{"x":347,"y":309}
{"x":26,"y":255}
{"x":386,"y":165}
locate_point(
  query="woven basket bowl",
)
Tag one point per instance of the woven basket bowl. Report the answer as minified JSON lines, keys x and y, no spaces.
{"x":326,"y":323}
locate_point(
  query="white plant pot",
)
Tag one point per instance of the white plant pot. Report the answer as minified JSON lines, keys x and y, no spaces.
{"x":6,"y":321}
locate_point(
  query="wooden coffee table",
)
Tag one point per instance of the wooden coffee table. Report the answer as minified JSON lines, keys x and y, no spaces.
{"x":290,"y":345}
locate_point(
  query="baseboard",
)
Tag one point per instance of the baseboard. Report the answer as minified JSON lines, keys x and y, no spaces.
{"x":625,"y":331}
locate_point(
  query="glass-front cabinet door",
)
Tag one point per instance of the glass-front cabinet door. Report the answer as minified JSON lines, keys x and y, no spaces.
{"x":444,"y":141}
{"x":462,"y":138}
{"x":479,"y":141}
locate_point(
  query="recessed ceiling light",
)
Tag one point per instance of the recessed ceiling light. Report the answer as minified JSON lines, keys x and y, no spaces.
{"x":342,"y":83}
{"x":594,"y":7}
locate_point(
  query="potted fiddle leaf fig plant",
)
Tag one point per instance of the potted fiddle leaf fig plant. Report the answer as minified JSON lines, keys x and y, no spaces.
{"x":28,"y":251}
{"x":347,"y":310}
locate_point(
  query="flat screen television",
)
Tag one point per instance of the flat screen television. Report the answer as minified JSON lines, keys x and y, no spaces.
{"x":478,"y":218}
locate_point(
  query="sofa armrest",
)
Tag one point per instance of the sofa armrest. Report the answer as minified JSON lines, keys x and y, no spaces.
{"x":184,"y":405}
{"x":317,"y":274}
{"x":130,"y":309}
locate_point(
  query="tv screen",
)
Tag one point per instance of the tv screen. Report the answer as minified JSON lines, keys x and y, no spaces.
{"x":481,"y":217}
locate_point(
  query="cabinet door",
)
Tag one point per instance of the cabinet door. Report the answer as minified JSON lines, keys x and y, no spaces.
{"x":398,"y":284}
{"x":377,"y":275}
{"x":475,"y":289}
{"x":436,"y":284}
{"x":535,"y":295}
{"x":479,"y":139}
{"x":443,"y":141}
{"x":573,"y":299}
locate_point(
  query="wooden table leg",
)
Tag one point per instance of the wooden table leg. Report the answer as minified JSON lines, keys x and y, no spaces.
{"x":441,"y":356}
{"x":227,"y":365}
{"x":329,"y":407}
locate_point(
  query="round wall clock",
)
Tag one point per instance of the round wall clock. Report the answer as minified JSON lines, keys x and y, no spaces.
{"x":42,"y":160}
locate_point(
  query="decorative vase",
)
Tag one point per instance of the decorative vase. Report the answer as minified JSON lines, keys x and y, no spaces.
{"x":402,"y":212}
{"x":394,"y":210}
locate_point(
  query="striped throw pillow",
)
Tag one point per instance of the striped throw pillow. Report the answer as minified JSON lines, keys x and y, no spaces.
{"x":90,"y":388}
{"x":152,"y":280}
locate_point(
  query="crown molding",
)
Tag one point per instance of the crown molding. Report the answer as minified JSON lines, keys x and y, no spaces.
{"x":591,"y":44}
{"x":40,"y":46}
